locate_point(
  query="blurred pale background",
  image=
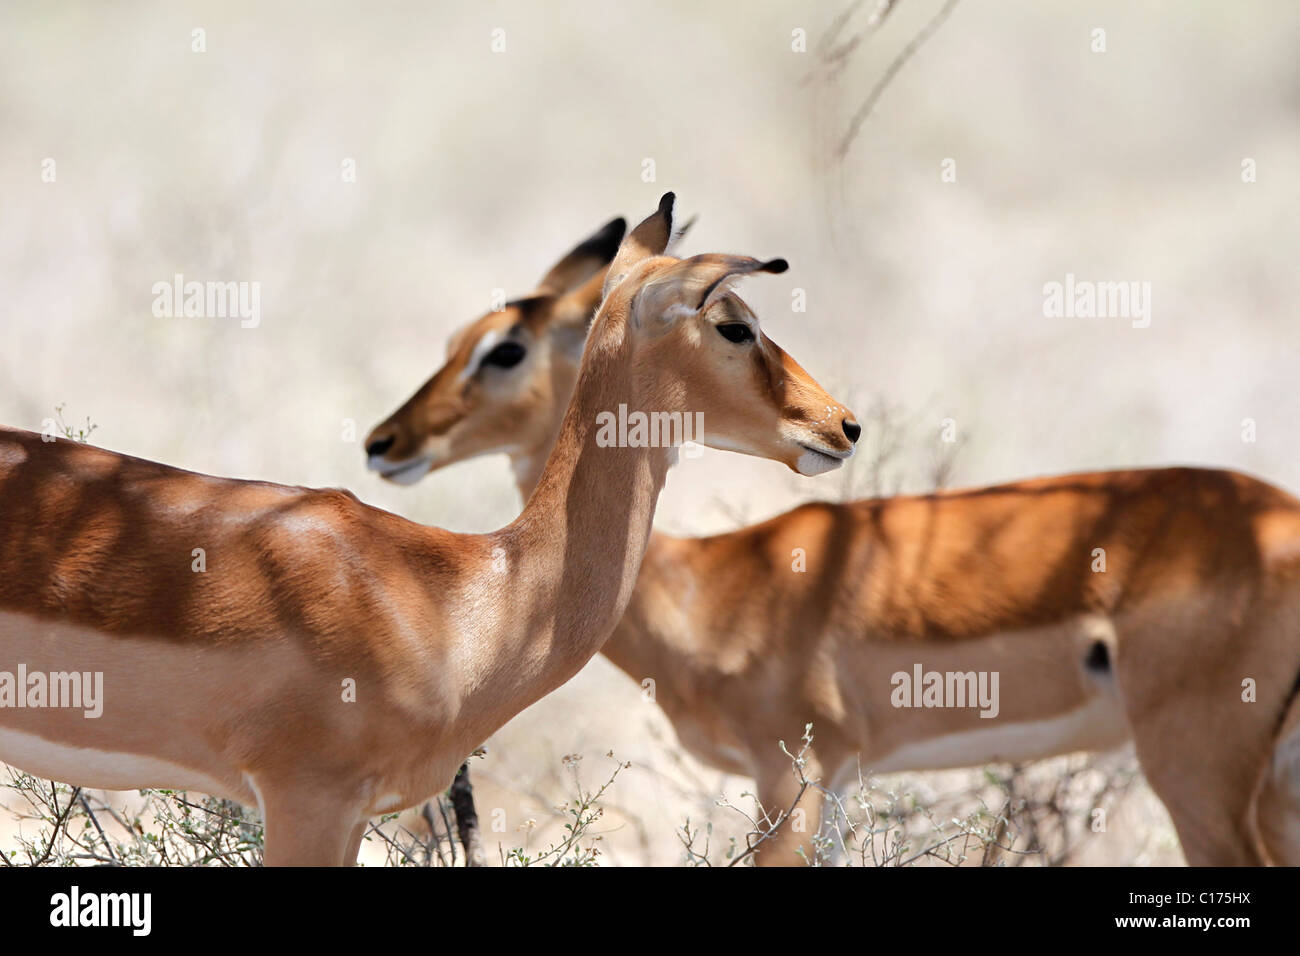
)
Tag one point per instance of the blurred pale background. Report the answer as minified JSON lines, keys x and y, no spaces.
{"x":476,"y":169}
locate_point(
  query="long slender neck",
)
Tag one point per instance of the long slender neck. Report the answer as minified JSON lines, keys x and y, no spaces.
{"x":633,"y":645}
{"x":573,"y":555}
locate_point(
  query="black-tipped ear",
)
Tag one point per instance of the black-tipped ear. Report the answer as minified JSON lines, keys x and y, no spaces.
{"x":693,"y":284}
{"x":648,"y":239}
{"x":605,"y":243}
{"x":723,"y":270}
{"x":585,"y":259}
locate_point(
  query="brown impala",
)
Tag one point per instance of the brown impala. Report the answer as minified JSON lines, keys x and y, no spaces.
{"x":334,"y":661}
{"x":1157,"y":605}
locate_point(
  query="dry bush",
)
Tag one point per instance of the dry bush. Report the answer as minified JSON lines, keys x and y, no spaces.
{"x":60,"y":825}
{"x":1037,"y":814}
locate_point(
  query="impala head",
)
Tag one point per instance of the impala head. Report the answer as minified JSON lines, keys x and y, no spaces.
{"x":700,"y":349}
{"x":507,"y":377}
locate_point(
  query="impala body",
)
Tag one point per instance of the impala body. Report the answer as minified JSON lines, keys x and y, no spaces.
{"x":97,"y":574}
{"x":328,"y":660}
{"x":1112,"y":606}
{"x":1201,"y":592}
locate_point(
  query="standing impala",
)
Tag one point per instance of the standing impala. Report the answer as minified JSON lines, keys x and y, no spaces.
{"x":335,"y":661}
{"x":1116,"y":605}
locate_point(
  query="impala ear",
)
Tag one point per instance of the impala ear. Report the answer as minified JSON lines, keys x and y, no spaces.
{"x":578,"y":306}
{"x":572,"y":313}
{"x":726,"y":269}
{"x":647,"y":240}
{"x":695,"y":284}
{"x":585,"y":259}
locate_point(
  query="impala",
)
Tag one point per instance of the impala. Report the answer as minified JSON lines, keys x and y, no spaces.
{"x":1160,"y":605}
{"x":335,"y":661}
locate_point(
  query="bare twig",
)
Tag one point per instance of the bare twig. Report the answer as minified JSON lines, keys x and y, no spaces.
{"x":59,"y":821}
{"x":836,"y":58}
{"x":393,"y":844}
{"x":891,"y":71}
{"x":433,"y":846}
{"x":446,"y":828}
{"x":85,"y":805}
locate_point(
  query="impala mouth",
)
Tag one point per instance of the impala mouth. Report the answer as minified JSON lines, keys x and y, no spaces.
{"x":817,"y":461}
{"x":402,"y":472}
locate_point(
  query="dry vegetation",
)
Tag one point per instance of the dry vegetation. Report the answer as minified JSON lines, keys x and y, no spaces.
{"x":1054,"y":813}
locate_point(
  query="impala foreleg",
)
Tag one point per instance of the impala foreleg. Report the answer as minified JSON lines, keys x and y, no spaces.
{"x":354,"y":843}
{"x":307,"y":828}
{"x":794,"y":805}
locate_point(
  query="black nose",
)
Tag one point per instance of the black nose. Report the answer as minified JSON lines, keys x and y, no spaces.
{"x":852,"y":430}
{"x":380,"y":445}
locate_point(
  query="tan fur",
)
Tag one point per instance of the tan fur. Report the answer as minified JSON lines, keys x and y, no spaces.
{"x":233,"y":678}
{"x":1199,"y":593}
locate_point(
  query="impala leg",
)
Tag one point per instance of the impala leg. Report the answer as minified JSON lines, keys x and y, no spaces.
{"x":354,"y":843}
{"x":303,"y":829}
{"x":778,"y":790}
{"x":1208,"y":792}
{"x":1201,"y":746}
{"x":1279,"y":821}
{"x":1278,"y":807}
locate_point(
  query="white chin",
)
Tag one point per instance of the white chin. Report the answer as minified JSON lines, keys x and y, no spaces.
{"x":812,"y":463}
{"x":410,"y":474}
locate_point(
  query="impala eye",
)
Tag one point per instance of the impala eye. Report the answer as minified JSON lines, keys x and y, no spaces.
{"x":505,"y":355}
{"x":736,"y":332}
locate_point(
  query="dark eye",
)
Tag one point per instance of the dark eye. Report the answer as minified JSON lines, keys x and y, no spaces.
{"x":505,"y":355}
{"x":735,"y":332}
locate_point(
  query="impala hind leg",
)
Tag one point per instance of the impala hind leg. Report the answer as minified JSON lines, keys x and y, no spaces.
{"x":303,"y":828}
{"x":1279,"y":821}
{"x":1201,"y":741}
{"x":1278,"y":807}
{"x":1208,"y":791}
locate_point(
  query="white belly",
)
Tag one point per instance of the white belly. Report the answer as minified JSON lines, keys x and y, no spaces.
{"x":1098,"y":725}
{"x":106,"y":770}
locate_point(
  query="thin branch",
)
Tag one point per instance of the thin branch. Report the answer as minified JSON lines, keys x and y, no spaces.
{"x":839,"y":23}
{"x":836,"y":59}
{"x":85,"y":805}
{"x":446,"y":826}
{"x":906,"y":54}
{"x":392,"y":844}
{"x":59,"y":821}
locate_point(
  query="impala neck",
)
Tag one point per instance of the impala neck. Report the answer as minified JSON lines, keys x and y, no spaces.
{"x":635,"y":645}
{"x":575,"y":551}
{"x":631,"y":645}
